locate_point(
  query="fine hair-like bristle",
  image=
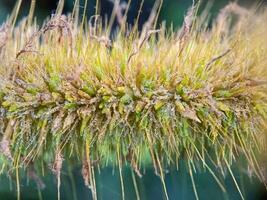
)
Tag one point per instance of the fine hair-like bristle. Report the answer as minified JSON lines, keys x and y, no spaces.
{"x":67,"y":91}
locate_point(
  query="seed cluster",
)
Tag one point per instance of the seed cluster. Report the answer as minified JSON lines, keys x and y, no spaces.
{"x":150,"y":98}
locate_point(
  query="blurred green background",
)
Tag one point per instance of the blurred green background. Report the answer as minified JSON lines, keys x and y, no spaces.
{"x":172,"y":11}
{"x":178,"y":183}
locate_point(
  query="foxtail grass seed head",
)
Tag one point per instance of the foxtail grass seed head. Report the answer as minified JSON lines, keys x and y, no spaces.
{"x":142,"y":98}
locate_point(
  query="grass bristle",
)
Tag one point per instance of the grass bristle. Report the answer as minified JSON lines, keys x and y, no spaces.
{"x":68,"y":91}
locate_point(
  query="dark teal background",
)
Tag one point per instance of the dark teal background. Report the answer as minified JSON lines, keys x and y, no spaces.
{"x":179,"y":185}
{"x":172,"y":11}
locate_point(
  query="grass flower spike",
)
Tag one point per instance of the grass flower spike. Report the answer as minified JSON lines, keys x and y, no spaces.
{"x":69,"y":91}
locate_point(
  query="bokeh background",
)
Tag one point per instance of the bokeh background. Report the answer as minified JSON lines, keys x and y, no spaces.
{"x":172,"y":11}
{"x":178,"y":183}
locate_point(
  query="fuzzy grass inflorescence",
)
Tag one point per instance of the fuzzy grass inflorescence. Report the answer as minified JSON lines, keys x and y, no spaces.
{"x":155,"y":96}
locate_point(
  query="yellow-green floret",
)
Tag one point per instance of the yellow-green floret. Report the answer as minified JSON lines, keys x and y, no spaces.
{"x":150,"y":97}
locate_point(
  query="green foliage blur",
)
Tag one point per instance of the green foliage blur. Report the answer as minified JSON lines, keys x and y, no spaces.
{"x":172,"y":11}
